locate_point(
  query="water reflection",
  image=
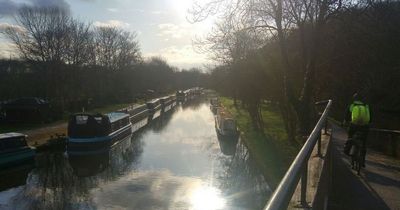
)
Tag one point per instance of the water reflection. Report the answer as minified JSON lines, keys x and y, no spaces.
{"x":14,"y":177}
{"x":228,"y":144}
{"x":115,"y":158}
{"x":242,"y":180}
{"x":175,"y":163}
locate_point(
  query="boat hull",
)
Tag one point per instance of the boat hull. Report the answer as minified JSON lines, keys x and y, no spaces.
{"x":17,"y":157}
{"x":97,"y":145}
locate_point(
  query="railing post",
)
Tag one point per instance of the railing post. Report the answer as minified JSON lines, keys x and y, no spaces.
{"x":319,"y":144}
{"x":303,"y":195}
{"x":326,"y":127}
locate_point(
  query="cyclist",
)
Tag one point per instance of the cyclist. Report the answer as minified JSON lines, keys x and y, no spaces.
{"x":359,"y":116}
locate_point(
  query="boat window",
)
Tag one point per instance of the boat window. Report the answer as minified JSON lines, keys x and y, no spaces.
{"x":88,"y":126}
{"x":230,"y":124}
{"x":81,"y":119}
{"x":12,"y":143}
{"x":98,"y":119}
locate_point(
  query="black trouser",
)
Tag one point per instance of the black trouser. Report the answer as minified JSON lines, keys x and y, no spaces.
{"x":363,"y":129}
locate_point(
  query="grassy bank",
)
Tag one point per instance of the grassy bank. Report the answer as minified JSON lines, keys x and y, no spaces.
{"x":271,"y":150}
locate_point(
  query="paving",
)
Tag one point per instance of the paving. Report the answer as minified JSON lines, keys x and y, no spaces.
{"x":378,"y":186}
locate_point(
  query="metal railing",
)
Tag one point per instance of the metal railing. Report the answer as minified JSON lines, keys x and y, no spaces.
{"x":392,"y":138}
{"x":299,"y":168}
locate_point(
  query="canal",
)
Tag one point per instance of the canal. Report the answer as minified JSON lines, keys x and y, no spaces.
{"x":176,"y":162}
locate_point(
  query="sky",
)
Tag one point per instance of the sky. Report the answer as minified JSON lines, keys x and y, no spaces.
{"x":161,"y":25}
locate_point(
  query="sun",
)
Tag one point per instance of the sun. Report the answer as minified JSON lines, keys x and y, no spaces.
{"x":181,"y":7}
{"x":206,"y":198}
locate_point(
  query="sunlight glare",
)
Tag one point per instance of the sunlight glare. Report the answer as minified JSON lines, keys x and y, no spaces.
{"x":181,"y":6}
{"x":207,"y":198}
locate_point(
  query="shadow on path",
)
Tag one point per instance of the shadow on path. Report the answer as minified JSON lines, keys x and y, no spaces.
{"x":350,"y":191}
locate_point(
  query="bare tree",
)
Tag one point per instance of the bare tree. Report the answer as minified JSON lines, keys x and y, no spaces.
{"x":277,"y":20}
{"x":81,"y":50}
{"x":116,"y":48}
{"x":44,"y":35}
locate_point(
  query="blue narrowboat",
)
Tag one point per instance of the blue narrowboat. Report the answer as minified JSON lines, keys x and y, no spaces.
{"x":94,"y":133}
{"x":14,"y":150}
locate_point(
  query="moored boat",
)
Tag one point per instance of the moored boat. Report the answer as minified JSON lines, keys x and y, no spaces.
{"x":14,"y":150}
{"x":214,"y":105}
{"x":154,"y":107}
{"x":180,"y":95}
{"x":225,"y":124}
{"x":137,"y":112}
{"x":166,"y":103}
{"x":94,"y":133}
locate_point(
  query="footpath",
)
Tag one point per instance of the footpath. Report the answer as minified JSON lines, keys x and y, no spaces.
{"x":378,"y":186}
{"x":39,"y":136}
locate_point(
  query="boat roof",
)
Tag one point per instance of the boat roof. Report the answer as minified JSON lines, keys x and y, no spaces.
{"x":154,"y":101}
{"x":135,"y":106}
{"x":10,"y":135}
{"x":114,"y":116}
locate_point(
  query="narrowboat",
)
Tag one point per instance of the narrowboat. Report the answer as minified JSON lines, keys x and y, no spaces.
{"x":139,"y":115}
{"x":188,"y":94}
{"x":214,"y":105}
{"x":14,"y":150}
{"x":154,"y":107}
{"x":227,"y":146}
{"x":180,"y":95}
{"x":225,"y":124}
{"x":173,"y":100}
{"x":94,"y":133}
{"x":166,"y":103}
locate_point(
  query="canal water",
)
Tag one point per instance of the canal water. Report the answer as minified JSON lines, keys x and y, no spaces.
{"x":176,"y":162}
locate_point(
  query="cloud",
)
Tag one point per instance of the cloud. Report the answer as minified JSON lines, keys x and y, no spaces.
{"x":4,"y":26}
{"x":7,"y":49}
{"x":181,"y":56}
{"x":10,"y":7}
{"x":112,"y":9}
{"x":158,"y":12}
{"x":170,"y":30}
{"x":151,"y":190}
{"x":62,"y":4}
{"x":111,"y":23}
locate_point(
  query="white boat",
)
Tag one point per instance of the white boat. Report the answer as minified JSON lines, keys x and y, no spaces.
{"x":225,"y":124}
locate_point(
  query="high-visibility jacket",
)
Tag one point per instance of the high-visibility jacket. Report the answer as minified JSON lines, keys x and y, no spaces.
{"x":360,"y":114}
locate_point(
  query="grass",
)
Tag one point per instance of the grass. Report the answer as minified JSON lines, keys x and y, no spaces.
{"x":272,"y":151}
{"x":4,"y":128}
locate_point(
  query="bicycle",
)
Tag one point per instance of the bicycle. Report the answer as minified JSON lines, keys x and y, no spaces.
{"x":356,"y":154}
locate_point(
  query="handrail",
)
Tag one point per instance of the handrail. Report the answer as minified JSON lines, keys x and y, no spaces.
{"x":385,"y":131}
{"x":284,"y":192}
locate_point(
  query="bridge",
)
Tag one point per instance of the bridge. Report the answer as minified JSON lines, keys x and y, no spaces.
{"x":321,"y":177}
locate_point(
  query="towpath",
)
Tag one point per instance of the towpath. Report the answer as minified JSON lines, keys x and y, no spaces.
{"x":378,"y":186}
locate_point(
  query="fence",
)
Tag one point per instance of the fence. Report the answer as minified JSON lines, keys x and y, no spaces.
{"x":299,"y":168}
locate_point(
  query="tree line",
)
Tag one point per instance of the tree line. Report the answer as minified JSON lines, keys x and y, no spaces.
{"x":294,"y":53}
{"x":73,"y":63}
